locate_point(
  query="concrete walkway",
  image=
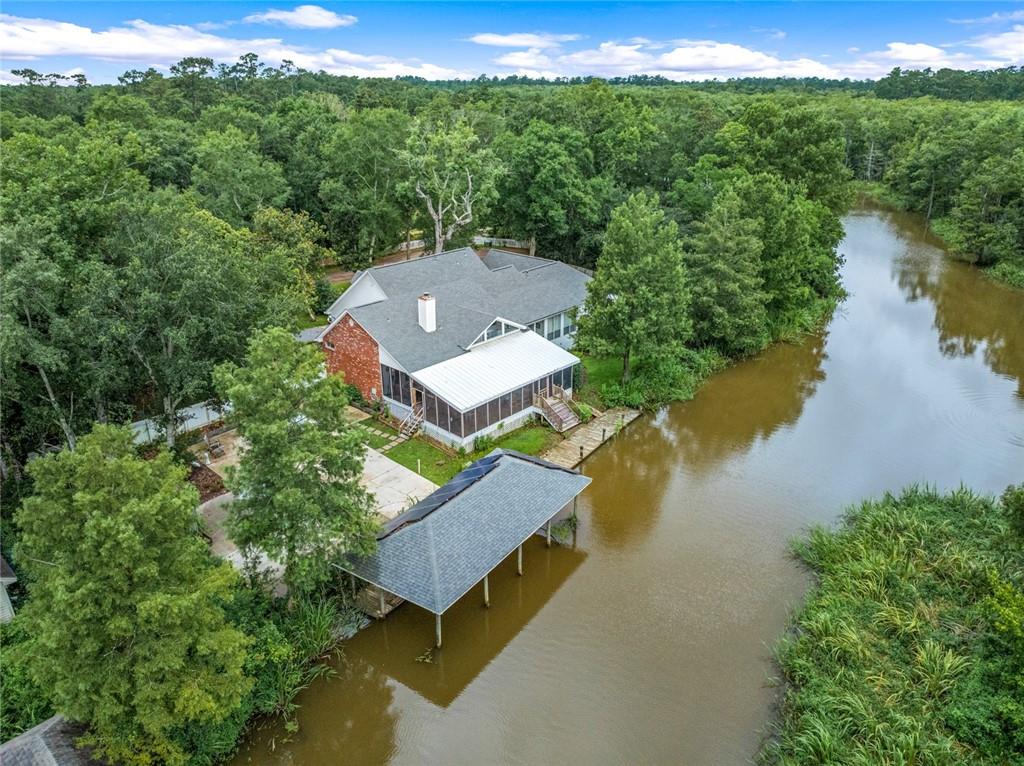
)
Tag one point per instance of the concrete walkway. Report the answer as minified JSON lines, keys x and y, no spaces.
{"x":393,"y":486}
{"x":585,"y":439}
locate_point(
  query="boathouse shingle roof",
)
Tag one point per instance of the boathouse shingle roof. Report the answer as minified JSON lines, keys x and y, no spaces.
{"x":436,"y":551}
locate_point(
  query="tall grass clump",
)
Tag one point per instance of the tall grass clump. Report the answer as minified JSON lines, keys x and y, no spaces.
{"x":910,"y":650}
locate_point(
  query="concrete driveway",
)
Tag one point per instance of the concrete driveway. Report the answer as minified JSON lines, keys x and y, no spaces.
{"x":393,"y":486}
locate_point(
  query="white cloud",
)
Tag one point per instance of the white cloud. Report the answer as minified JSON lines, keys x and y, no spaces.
{"x":994,"y":18}
{"x":302,"y":17}
{"x":771,"y":32}
{"x":533,"y":59}
{"x":682,"y":60}
{"x":158,"y":45}
{"x":522,"y":39}
{"x":1008,"y":46}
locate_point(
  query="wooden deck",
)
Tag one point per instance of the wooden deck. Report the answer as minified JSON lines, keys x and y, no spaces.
{"x":585,"y":439}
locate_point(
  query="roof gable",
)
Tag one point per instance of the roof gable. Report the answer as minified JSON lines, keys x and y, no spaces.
{"x":469,"y":294}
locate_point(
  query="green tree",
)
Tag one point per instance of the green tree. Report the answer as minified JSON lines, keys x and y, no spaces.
{"x":233,"y":179}
{"x":185,"y":294}
{"x":365,"y":205}
{"x":451,"y":174}
{"x":284,"y":237}
{"x":544,"y":195}
{"x":128,"y":631}
{"x":637,"y":304}
{"x":724,"y":265}
{"x":297,"y":494}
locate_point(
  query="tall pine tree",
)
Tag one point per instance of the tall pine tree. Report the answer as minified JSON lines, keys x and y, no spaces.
{"x":723,"y":257}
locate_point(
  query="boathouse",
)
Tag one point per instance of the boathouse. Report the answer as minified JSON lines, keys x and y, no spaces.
{"x":435,"y":552}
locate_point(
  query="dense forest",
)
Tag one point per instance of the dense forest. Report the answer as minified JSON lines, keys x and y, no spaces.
{"x":201,"y":205}
{"x":152,"y":229}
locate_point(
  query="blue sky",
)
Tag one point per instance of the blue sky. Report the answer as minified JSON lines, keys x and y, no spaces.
{"x":682,"y":41}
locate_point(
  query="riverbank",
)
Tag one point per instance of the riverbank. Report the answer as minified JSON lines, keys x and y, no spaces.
{"x":1007,"y":273}
{"x":911,"y":647}
{"x":656,"y":624}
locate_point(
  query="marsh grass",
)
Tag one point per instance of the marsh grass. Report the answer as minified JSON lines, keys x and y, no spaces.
{"x":898,"y":656}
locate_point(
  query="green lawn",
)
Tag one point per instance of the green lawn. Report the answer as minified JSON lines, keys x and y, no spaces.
{"x":439,"y":466}
{"x":303,"y":322}
{"x":597,"y":372}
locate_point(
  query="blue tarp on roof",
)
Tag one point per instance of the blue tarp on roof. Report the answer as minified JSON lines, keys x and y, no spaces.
{"x":441,"y":547}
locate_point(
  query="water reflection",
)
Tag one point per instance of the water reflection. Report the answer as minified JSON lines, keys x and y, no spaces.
{"x":748,"y":403}
{"x":972,"y":312}
{"x":352,"y":718}
{"x":651,"y":643}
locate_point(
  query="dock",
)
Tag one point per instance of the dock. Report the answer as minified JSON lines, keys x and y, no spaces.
{"x":586,"y":438}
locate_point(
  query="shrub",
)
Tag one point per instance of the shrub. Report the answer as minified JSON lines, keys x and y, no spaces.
{"x":483,"y":444}
{"x":22,"y":703}
{"x":911,"y":649}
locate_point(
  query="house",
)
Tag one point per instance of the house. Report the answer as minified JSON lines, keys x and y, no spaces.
{"x":438,"y":550}
{"x":51,"y":743}
{"x":7,"y":577}
{"x":458,"y":344}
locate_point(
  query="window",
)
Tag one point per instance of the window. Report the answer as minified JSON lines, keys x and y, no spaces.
{"x":570,"y":324}
{"x":494,"y":330}
{"x":329,"y":345}
{"x":554,"y":327}
{"x":538,"y":327}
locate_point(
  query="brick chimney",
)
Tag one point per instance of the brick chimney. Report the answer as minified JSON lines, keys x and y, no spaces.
{"x":427,"y":312}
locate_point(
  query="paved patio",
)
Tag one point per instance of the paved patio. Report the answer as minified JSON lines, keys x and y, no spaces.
{"x":394,"y":488}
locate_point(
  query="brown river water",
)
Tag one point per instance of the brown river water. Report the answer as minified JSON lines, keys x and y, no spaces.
{"x":650,"y":641}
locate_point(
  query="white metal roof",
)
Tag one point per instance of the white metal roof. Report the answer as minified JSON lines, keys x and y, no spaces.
{"x":494,"y":368}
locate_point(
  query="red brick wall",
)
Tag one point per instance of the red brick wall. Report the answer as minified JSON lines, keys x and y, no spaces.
{"x":355,"y":355}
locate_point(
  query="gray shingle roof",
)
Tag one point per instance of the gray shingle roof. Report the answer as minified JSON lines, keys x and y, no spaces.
{"x":51,"y":743}
{"x":470,"y":292}
{"x":446,"y":543}
{"x":310,"y":334}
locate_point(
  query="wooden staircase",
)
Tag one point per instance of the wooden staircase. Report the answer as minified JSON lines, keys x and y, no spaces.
{"x":554,"y":405}
{"x":412,"y":422}
{"x":563,"y":417}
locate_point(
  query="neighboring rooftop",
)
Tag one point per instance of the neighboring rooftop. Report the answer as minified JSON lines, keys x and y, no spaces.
{"x":436,"y":551}
{"x":51,"y":743}
{"x":469,"y":292}
{"x":6,"y":573}
{"x":310,"y":334}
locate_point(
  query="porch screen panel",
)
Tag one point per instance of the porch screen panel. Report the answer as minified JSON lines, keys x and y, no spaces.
{"x":453,"y":424}
{"x":385,"y":381}
{"x":527,"y":392}
{"x":482,"y":420}
{"x":430,"y":407}
{"x":442,"y":413}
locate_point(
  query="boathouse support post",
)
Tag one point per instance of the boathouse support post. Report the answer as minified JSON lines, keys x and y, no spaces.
{"x":548,"y":532}
{"x":437,"y":629}
{"x":381,"y":591}
{"x":487,"y":592}
{"x":519,"y":560}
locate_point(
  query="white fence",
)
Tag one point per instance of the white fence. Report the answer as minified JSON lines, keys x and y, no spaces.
{"x":189,"y":419}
